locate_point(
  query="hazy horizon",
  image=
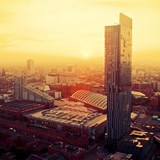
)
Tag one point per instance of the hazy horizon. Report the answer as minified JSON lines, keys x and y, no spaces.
{"x":148,"y":59}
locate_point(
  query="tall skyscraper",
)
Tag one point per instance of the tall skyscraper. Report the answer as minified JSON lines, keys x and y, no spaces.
{"x":118,"y":49}
{"x":30,"y":66}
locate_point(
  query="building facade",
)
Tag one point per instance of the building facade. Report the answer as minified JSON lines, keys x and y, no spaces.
{"x":22,"y":91}
{"x":118,"y":49}
{"x":19,"y":81}
{"x":67,"y":78}
{"x":30,"y":66}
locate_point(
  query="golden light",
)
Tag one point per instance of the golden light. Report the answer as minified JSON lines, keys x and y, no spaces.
{"x":62,"y":28}
{"x":86,"y":56}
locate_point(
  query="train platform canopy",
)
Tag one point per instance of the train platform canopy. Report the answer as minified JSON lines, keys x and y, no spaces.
{"x":95,"y":100}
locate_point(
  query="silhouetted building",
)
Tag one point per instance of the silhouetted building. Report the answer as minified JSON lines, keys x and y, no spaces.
{"x":15,"y":110}
{"x":118,"y":48}
{"x":1,"y":99}
{"x":155,"y":102}
{"x":144,"y":87}
{"x":137,"y":143}
{"x":138,"y":98}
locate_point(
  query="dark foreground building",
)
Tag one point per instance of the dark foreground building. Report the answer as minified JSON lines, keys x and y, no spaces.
{"x":137,"y":143}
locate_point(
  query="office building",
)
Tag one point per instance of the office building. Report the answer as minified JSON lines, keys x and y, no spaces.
{"x":118,"y":48}
{"x":55,"y":78}
{"x":30,"y":66}
{"x":22,"y":91}
{"x":19,"y":81}
{"x":70,"y":69}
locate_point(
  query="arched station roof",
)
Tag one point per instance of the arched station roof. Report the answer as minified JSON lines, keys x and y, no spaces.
{"x":96,"y":100}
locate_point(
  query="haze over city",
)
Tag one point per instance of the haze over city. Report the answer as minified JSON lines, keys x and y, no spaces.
{"x":65,"y":29}
{"x":79,"y":82}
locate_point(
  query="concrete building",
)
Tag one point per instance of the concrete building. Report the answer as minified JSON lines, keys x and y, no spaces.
{"x":118,"y":48}
{"x":52,"y":78}
{"x":29,"y":93}
{"x":19,"y":81}
{"x":30,"y":67}
{"x":67,"y":78}
{"x":76,"y":125}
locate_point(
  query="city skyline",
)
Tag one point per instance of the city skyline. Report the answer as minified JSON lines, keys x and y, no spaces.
{"x":72,"y":29}
{"x":72,"y":84}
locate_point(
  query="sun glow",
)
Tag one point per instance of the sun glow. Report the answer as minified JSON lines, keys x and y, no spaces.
{"x":86,"y":56}
{"x":63,"y":28}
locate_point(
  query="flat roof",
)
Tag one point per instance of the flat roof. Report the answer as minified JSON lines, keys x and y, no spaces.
{"x":77,"y":116}
{"x":139,"y":94}
{"x":16,"y":106}
{"x":138,"y":138}
{"x":119,"y":155}
{"x":133,"y":115}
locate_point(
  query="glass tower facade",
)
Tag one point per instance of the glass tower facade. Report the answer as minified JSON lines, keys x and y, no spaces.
{"x":118,"y":49}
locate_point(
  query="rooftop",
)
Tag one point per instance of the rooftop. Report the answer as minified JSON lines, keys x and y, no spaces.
{"x":157,"y":94}
{"x":138,"y":94}
{"x":77,"y":116}
{"x":138,"y":138}
{"x":38,"y":92}
{"x":119,"y":156}
{"x":20,"y":106}
{"x":96,"y":100}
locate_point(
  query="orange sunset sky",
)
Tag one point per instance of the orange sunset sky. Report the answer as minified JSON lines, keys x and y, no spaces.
{"x":29,"y":28}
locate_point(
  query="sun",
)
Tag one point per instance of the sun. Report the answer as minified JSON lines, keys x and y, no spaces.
{"x":86,"y":56}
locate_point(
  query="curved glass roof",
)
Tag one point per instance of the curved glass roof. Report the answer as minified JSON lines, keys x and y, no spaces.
{"x":96,"y":100}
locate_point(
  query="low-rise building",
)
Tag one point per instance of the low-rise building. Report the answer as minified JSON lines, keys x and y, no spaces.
{"x":138,"y":143}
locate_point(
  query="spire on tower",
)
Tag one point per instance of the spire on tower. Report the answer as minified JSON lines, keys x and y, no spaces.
{"x":3,"y":73}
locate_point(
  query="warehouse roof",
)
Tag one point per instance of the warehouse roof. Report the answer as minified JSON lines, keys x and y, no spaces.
{"x":76,"y":116}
